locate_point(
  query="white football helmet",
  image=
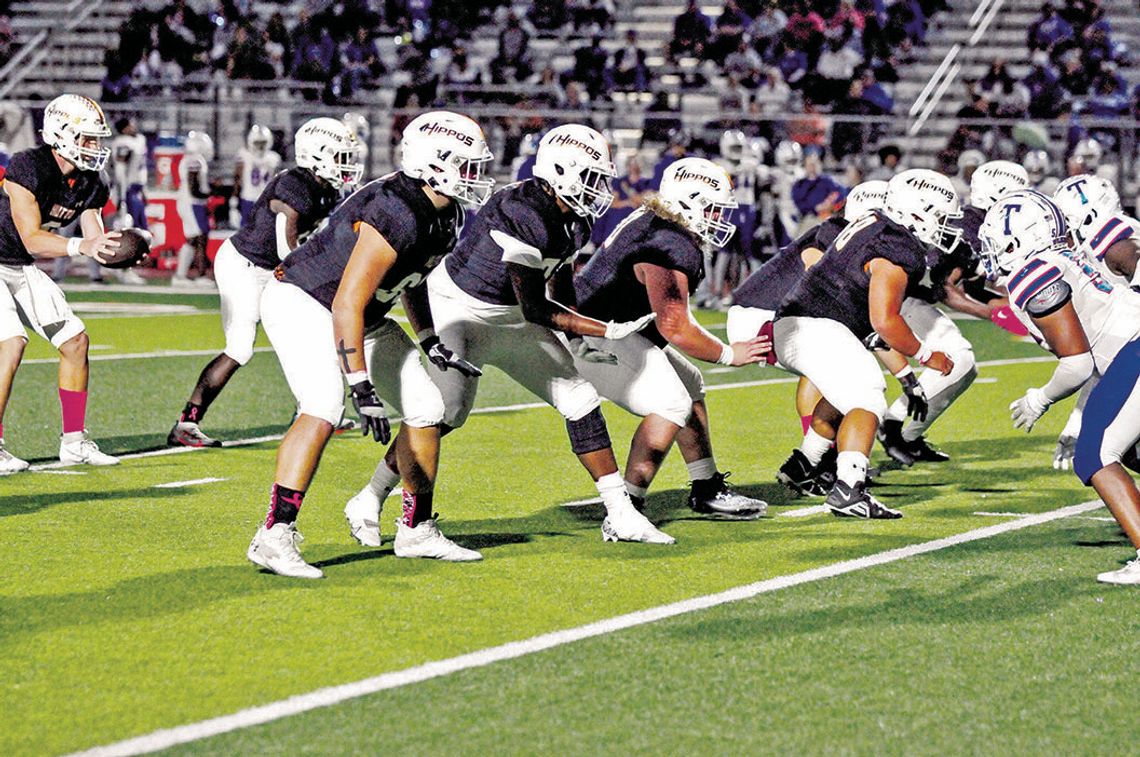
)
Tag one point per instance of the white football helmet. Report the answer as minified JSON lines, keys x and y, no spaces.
{"x":733,"y":146}
{"x":993,"y":179}
{"x":1088,"y":152}
{"x":864,"y":198}
{"x":259,"y":140}
{"x":75,"y":127}
{"x":575,"y":161}
{"x":450,"y":154}
{"x":199,"y":143}
{"x":1036,"y":164}
{"x":925,"y":202}
{"x":1019,"y":225}
{"x":700,"y":192}
{"x":1087,"y":202}
{"x":330,"y":150}
{"x":789,"y":154}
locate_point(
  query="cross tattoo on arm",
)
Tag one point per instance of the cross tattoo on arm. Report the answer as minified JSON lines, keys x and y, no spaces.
{"x":344,"y":352}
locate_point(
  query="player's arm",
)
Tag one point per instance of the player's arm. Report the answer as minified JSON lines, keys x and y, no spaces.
{"x":530,"y":289}
{"x":286,"y":224}
{"x":418,"y":309}
{"x":669,"y":297}
{"x":885,"y":298}
{"x":196,"y":179}
{"x":1066,"y":338}
{"x":957,"y":299}
{"x":896,"y":362}
{"x":1121,"y":260}
{"x":237,"y":178}
{"x":41,"y":243}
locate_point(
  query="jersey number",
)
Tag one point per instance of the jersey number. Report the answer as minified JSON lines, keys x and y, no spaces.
{"x":389,"y":295}
{"x":853,"y":229}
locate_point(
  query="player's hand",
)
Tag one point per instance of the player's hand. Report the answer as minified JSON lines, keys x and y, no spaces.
{"x":940,"y":362}
{"x":100,"y":246}
{"x":589,"y":354}
{"x":755,"y":350}
{"x":373,"y":419}
{"x":1004,"y":318}
{"x":620,"y":330}
{"x":917,"y":405}
{"x":1028,"y":409}
{"x":443,"y":358}
{"x":1063,"y":455}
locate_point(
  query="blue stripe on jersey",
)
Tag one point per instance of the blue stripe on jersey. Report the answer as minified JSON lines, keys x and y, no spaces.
{"x":1104,"y":232}
{"x":1038,"y":284}
{"x":1020,"y":275}
{"x":1125,"y":234}
{"x":1103,"y":408}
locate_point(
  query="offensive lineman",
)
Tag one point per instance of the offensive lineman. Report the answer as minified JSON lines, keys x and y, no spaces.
{"x":329,"y":306}
{"x":291,"y":206}
{"x":489,"y":301}
{"x":193,"y":192}
{"x":45,"y":188}
{"x":257,"y":163}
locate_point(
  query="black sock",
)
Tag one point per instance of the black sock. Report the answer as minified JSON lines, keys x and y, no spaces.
{"x":192,"y":413}
{"x":210,"y":384}
{"x":284,"y":504}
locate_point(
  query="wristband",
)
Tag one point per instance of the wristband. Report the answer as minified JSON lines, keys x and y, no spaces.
{"x":923,"y":354}
{"x":424,"y":334}
{"x":726,"y":355}
{"x":73,"y":247}
{"x":906,"y":371}
{"x":356,"y":377}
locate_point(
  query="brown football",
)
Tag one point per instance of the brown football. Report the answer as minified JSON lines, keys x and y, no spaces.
{"x":134,"y":246}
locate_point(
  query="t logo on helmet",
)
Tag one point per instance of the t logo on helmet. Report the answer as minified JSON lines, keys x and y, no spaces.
{"x":1078,"y":186}
{"x":1009,"y":211}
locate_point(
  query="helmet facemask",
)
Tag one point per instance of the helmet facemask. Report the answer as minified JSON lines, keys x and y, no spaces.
{"x":593,"y":196}
{"x":715,"y":227}
{"x":471,"y":185}
{"x":348,"y":166}
{"x":90,"y":154}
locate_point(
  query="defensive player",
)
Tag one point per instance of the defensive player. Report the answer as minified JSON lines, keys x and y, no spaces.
{"x":290,"y":207}
{"x":193,"y":192}
{"x":854,"y":293}
{"x":334,"y":292}
{"x":489,"y":300}
{"x":128,"y":151}
{"x":1089,"y":325}
{"x":257,"y":163}
{"x":45,"y":188}
{"x":651,"y":265}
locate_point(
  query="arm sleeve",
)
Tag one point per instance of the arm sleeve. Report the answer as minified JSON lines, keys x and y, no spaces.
{"x":1070,"y":375}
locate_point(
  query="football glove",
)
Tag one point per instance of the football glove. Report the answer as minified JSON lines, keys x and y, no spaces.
{"x":589,"y":354}
{"x":1004,"y":318}
{"x":917,"y":405}
{"x":620,"y":330}
{"x":1027,"y":410}
{"x":368,"y":406}
{"x":1063,"y":455}
{"x":443,"y":358}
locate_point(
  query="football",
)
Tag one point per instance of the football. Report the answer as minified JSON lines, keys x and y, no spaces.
{"x":134,"y":246}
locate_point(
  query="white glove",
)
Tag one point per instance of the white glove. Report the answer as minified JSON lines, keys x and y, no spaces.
{"x":616,"y":330}
{"x":590,"y":355}
{"x":1063,"y":455}
{"x":1027,"y":410}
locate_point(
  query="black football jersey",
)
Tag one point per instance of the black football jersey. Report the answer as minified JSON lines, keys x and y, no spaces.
{"x":837,"y":286}
{"x":767,"y":287}
{"x":519,"y":217}
{"x":965,"y":255}
{"x":300,"y":189}
{"x":607,"y":287}
{"x":61,"y":198}
{"x":395,"y":206}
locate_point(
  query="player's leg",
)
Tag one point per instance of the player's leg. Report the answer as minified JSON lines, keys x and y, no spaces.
{"x":190,"y":231}
{"x":201,"y":261}
{"x":13,"y":339}
{"x":136,"y":206}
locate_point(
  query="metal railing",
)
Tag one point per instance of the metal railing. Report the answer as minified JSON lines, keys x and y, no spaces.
{"x":33,"y":54}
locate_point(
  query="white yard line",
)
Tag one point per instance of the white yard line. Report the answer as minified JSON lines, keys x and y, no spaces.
{"x":326,"y":697}
{"x":191,"y":482}
{"x":142,"y":355}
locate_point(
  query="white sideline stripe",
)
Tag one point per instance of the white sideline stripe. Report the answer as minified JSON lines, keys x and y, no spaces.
{"x":998,"y":515}
{"x":331,"y":695}
{"x":191,"y":482}
{"x":804,"y":512}
{"x":142,"y":355}
{"x":986,"y":380}
{"x":60,"y":472}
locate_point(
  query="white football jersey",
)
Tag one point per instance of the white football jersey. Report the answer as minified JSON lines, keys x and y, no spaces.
{"x":256,"y":171}
{"x":782,"y":181}
{"x":186,"y":166}
{"x":744,"y":176}
{"x":1110,"y":314}
{"x":129,"y":155}
{"x":1115,"y":229}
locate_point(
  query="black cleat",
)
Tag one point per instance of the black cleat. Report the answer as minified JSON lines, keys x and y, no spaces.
{"x":854,"y":502}
{"x":638,"y":503}
{"x":921,"y":451}
{"x":711,"y":496}
{"x":798,"y":474}
{"x":826,"y":471}
{"x":890,"y":436}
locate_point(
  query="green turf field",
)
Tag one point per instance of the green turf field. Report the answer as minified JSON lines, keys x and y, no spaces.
{"x":127,"y":607}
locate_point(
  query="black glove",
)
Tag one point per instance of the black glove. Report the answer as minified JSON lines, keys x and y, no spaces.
{"x":371,"y":411}
{"x":917,"y":404}
{"x":443,"y":358}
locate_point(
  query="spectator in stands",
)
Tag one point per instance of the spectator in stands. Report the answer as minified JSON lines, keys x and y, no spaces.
{"x":660,"y":120}
{"x":548,"y":15}
{"x":590,"y":64}
{"x":591,"y":16}
{"x":875,"y":93}
{"x":809,"y":128}
{"x":7,"y":37}
{"x":512,"y":64}
{"x":691,"y":32}
{"x":461,"y":72}
{"x":1041,"y":89}
{"x":629,"y":69}
{"x":834,"y":72}
{"x":999,"y":87}
{"x":1095,"y":42}
{"x":549,"y":84}
{"x":313,"y":51}
{"x":360,"y":62}
{"x":849,"y":137}
{"x":116,"y":84}
{"x":630,"y":191}
{"x":744,"y":66}
{"x":890,"y":163}
{"x":179,"y":34}
{"x":906,"y":26}
{"x":247,"y":58}
{"x":791,"y":62}
{"x":767,"y":27}
{"x":817,"y":195}
{"x":804,"y":31}
{"x":1049,"y":30}
{"x":728,"y":32}
{"x":771,"y":95}
{"x":278,"y":45}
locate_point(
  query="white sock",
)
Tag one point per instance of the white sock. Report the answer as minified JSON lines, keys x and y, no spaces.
{"x":702,"y":469}
{"x":851,"y":467}
{"x":636,"y":491}
{"x":384,"y":480}
{"x":185,"y":258}
{"x":814,"y":446}
{"x":612,"y":489}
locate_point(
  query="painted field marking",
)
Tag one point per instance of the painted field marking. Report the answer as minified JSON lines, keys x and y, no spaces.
{"x":804,"y":512}
{"x":326,"y":697}
{"x":142,"y":355}
{"x":985,"y":514}
{"x":191,"y":482}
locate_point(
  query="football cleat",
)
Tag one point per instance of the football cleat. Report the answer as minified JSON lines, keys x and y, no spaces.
{"x":1129,"y":575}
{"x":426,"y":540}
{"x":897,"y":448}
{"x":854,"y":502}
{"x":189,"y":434}
{"x":363,"y":515}
{"x":9,"y":463}
{"x":75,"y":448}
{"x":921,"y":452}
{"x":826,"y":471}
{"x":275,"y":549}
{"x":798,"y":474}
{"x":630,"y":525}
{"x":712,"y":496}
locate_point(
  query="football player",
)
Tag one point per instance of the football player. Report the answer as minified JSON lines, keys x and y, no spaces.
{"x":291,"y":206}
{"x":489,"y":300}
{"x":1090,"y":325}
{"x":328,"y":306}
{"x":1038,"y":167}
{"x":651,"y":265}
{"x":855,"y":293}
{"x":193,"y":192}
{"x":257,"y":163}
{"x":128,"y":150}
{"x":789,"y":157}
{"x":46,"y":188}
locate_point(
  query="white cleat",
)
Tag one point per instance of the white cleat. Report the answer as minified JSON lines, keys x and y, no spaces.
{"x":76,"y":448}
{"x":9,"y":463}
{"x":1129,"y":575}
{"x":425,"y":540}
{"x":630,"y":525}
{"x":363,"y":515}
{"x":275,"y":549}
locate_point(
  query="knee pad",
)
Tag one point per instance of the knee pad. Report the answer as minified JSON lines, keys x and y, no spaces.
{"x":588,"y":433}
{"x":425,"y":408}
{"x":575,"y":399}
